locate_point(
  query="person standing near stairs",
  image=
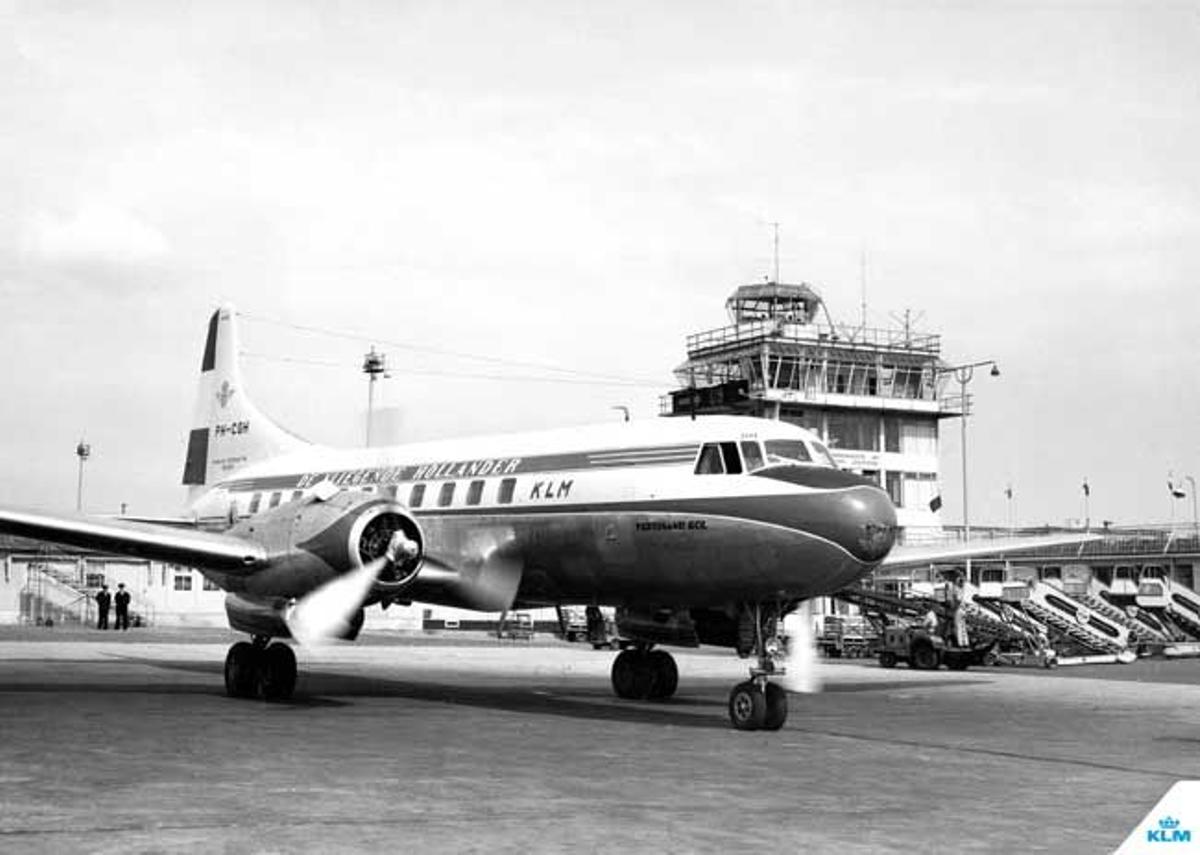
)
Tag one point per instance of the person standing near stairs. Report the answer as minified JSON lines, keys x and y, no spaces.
{"x":122,"y":603}
{"x":103,"y":600}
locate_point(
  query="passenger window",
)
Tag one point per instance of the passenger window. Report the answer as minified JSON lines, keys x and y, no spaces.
{"x":474,"y":492}
{"x":416,"y":496}
{"x":507,"y":486}
{"x":446,"y":495}
{"x":275,"y":497}
{"x":752,"y":454}
{"x":733,"y":463}
{"x":710,"y":460}
{"x":255,"y":501}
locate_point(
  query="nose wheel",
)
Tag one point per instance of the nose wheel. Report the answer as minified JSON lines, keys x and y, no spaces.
{"x":757,"y":703}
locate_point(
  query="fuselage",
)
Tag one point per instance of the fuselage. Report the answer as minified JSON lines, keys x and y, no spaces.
{"x":672,"y":511}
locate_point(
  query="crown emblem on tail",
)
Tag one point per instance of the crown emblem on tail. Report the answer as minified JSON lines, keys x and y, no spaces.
{"x":224,"y":393}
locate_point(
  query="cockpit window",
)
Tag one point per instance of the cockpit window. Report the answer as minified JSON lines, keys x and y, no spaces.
{"x":710,"y":460}
{"x":787,"y":451}
{"x":752,"y":454}
{"x":824,"y":455}
{"x":733,"y":463}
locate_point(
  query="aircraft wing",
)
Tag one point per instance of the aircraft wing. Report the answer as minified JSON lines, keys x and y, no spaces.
{"x":142,"y":540}
{"x":916,"y":554}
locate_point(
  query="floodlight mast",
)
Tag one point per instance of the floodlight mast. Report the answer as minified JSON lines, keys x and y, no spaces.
{"x":374,"y":365}
{"x":83,"y":451}
{"x":963,"y":374}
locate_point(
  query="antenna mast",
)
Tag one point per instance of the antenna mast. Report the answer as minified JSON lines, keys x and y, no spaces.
{"x":863,"y":277}
{"x":776,"y":226}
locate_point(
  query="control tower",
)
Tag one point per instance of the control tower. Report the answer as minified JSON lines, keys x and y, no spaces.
{"x":873,"y":395}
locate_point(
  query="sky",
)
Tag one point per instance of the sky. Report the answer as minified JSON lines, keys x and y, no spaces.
{"x":580,"y":186}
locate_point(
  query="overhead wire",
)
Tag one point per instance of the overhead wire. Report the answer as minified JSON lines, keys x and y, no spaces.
{"x":579,"y":381}
{"x":497,"y":360}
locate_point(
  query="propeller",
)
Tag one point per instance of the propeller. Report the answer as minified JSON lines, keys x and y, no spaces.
{"x":325,"y":613}
{"x":802,"y":672}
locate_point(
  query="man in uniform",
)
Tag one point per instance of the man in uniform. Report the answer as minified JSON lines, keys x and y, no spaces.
{"x":103,"y":601}
{"x":122,"y":603}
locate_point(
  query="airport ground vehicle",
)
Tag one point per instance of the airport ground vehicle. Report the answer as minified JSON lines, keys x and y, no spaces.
{"x":925,"y":651}
{"x":517,"y":626}
{"x":843,"y":636}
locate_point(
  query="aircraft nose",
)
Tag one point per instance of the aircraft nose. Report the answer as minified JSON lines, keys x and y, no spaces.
{"x":847,"y":509}
{"x":872,"y":517}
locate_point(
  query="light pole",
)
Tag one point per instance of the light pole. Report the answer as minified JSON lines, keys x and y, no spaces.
{"x":963,"y":374}
{"x":1195,"y":518}
{"x":374,"y":365}
{"x":83,"y":451}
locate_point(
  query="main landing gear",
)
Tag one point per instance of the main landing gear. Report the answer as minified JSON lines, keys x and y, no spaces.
{"x":256,"y":669}
{"x":642,"y":674}
{"x":759,"y":704}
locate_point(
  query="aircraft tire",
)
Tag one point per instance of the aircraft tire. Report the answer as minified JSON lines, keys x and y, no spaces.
{"x":632,"y":677}
{"x":665,"y":673}
{"x":747,"y":706}
{"x":241,"y":670}
{"x":777,"y":707}
{"x":277,"y":673}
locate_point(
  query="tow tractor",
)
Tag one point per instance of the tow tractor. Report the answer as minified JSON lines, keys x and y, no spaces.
{"x":927,"y":652}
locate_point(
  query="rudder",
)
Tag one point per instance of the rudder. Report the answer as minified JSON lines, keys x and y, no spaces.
{"x":228,"y":431}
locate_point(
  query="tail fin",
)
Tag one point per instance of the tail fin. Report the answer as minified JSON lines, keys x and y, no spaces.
{"x":228,"y":431}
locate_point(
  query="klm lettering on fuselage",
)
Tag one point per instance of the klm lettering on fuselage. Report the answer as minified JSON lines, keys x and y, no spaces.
{"x":550,"y":489}
{"x":424,"y":472}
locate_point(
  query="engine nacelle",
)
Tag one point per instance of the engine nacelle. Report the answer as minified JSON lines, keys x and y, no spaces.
{"x":265,"y":617}
{"x":310,"y":542}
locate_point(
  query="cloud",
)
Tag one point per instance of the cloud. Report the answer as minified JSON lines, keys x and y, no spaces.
{"x":93,"y":234}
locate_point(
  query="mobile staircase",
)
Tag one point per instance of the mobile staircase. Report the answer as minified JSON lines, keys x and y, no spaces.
{"x":1176,"y":604}
{"x":1146,"y":632}
{"x":1089,"y":630}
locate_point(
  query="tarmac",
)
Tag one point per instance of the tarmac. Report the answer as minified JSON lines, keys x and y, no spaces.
{"x":126,"y":742}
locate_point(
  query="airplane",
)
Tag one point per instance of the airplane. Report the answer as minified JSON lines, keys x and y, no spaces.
{"x":699,"y":531}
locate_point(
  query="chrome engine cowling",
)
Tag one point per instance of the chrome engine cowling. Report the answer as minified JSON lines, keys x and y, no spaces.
{"x":310,"y":542}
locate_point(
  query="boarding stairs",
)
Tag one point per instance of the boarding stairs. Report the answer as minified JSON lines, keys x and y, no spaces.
{"x":1143,"y":627}
{"x":48,"y":596}
{"x":1178,"y":603}
{"x":1068,"y":616}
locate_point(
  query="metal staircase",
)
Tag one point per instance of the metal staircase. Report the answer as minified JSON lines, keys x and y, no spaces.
{"x":1177,"y":602}
{"x":1068,"y":616}
{"x":1142,"y":627}
{"x":50,"y":595}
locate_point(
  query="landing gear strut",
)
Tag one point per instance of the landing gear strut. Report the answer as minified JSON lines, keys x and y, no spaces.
{"x":259,"y":669}
{"x":759,"y":704}
{"x":643,"y":674}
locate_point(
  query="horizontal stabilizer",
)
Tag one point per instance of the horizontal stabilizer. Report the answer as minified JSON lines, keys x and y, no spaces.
{"x":175,"y":545}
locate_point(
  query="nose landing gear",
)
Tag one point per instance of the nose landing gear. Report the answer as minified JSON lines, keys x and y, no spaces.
{"x":757,"y":703}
